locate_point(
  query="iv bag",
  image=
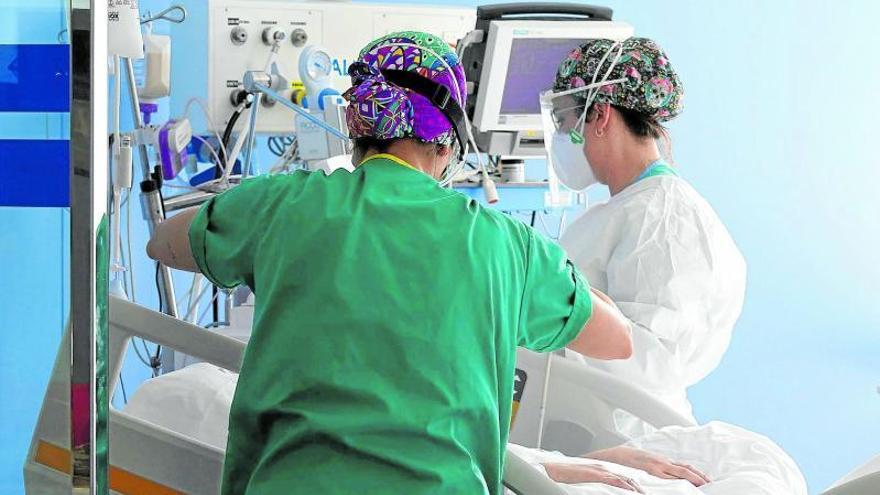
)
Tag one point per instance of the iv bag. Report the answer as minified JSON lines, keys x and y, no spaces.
{"x":157,"y":76}
{"x":124,"y":29}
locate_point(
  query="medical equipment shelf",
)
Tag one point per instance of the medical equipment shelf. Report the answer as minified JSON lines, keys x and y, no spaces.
{"x":523,"y":196}
{"x":517,"y":185}
{"x":519,"y":196}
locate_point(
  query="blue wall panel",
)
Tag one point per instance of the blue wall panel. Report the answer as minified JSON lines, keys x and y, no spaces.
{"x":34,"y":78}
{"x":35,"y":172}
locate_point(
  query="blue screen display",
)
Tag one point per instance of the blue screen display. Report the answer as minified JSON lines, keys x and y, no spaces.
{"x":531,"y":70}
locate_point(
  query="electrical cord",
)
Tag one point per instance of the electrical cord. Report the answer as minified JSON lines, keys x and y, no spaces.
{"x":279,"y":144}
{"x":139,"y":355}
{"x":208,"y":119}
{"x":179,"y":186}
{"x":159,"y":289}
{"x":227,"y":135}
{"x":240,"y":142}
{"x":193,"y":305}
{"x":547,"y":230}
{"x":215,"y":304}
{"x":155,"y":362}
{"x":219,"y":164}
{"x":288,"y":156}
{"x":130,"y":270}
{"x":122,"y":386}
{"x":125,"y":279}
{"x":205,"y":312}
{"x":276,"y":146}
{"x":544,"y":224}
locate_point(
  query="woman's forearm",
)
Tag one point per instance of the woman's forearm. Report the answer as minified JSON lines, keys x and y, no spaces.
{"x":169,"y":244}
{"x":607,"y":334}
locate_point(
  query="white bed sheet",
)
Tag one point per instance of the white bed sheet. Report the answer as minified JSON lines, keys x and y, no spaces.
{"x":195,"y":401}
{"x":738,"y":461}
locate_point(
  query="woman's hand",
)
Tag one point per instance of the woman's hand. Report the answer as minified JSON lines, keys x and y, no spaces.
{"x":589,"y":473}
{"x":652,"y":464}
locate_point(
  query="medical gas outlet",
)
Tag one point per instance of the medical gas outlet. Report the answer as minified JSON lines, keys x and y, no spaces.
{"x":272,"y":34}
{"x":238,"y":35}
{"x":299,"y":37}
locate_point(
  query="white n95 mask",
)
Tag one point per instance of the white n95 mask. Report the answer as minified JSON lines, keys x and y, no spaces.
{"x":570,"y":163}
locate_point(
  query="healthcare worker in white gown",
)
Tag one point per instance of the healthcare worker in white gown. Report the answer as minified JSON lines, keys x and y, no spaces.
{"x":656,"y":247}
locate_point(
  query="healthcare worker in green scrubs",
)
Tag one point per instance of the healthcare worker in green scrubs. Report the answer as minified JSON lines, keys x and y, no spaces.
{"x":389,"y":308}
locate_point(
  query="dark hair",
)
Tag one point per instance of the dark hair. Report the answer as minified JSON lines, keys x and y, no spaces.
{"x":366,"y":143}
{"x":638,"y":123}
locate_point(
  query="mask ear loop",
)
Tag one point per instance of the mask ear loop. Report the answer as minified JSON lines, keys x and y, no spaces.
{"x":576,"y":134}
{"x":611,"y":66}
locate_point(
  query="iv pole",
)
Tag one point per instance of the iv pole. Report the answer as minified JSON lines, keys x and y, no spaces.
{"x":151,"y":200}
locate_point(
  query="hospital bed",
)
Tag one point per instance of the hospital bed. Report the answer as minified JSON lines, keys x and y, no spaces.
{"x":864,"y":480}
{"x":150,"y":459}
{"x":572,"y":408}
{"x":147,"y":457}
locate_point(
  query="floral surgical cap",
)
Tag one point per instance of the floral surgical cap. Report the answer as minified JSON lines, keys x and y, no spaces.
{"x":652,"y":87}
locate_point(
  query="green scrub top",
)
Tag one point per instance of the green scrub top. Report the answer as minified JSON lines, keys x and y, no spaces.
{"x":388,"y":312}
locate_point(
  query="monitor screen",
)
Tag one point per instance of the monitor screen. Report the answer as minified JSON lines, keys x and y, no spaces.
{"x":531,"y":70}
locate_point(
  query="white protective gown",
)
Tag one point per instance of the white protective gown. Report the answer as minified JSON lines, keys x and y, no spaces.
{"x":662,"y":254}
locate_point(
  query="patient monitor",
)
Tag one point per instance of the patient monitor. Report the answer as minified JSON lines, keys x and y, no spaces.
{"x":512,"y":56}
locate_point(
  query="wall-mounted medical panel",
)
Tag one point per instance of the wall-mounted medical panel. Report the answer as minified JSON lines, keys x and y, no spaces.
{"x":222,"y":39}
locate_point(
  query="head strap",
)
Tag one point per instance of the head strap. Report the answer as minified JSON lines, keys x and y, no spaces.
{"x":438,"y":94}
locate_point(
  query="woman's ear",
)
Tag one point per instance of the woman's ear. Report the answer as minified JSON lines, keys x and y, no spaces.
{"x":603,"y":116}
{"x":442,"y":155}
{"x":444,"y":151}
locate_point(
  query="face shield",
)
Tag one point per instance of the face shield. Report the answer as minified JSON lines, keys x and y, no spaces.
{"x":565,"y":112}
{"x":563,"y":118}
